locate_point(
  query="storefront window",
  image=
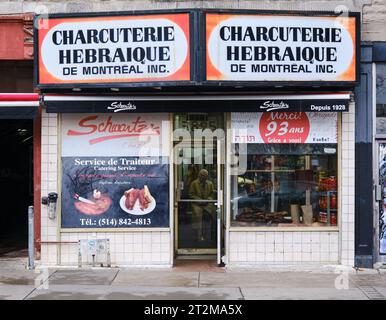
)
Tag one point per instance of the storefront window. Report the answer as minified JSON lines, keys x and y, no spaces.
{"x":381,"y":129}
{"x":285,"y":184}
{"x":381,"y":99}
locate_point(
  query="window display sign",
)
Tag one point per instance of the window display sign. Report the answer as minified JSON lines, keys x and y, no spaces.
{"x":115,"y":192}
{"x":114,"y":134}
{"x":281,"y":47}
{"x":121,"y":49}
{"x":114,"y":174}
{"x":284,"y":127}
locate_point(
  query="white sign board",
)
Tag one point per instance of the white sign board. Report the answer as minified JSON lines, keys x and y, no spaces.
{"x":264,"y":47}
{"x":108,"y":49}
{"x":115,"y":134}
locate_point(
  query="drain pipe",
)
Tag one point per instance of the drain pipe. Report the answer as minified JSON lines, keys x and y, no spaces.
{"x":31,"y":236}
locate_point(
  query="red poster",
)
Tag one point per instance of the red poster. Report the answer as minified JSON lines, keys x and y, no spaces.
{"x":284,"y":127}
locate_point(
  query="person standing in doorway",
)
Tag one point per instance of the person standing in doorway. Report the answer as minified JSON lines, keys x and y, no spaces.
{"x":201,"y":189}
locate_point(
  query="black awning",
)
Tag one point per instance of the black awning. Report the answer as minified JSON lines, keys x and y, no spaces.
{"x":18,"y":112}
{"x":336,"y":102}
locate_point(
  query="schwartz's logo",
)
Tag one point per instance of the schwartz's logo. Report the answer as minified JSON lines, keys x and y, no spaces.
{"x":272,"y":105}
{"x":119,"y":106}
{"x":110,"y":129}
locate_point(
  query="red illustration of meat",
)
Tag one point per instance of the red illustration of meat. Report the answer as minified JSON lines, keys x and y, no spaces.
{"x":131,"y":198}
{"x":142,"y":195}
{"x":144,"y":198}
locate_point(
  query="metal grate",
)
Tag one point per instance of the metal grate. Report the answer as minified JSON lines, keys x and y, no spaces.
{"x":371,"y":293}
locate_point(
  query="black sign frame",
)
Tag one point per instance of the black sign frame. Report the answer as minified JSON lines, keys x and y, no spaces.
{"x":197,"y":37}
{"x":279,"y":84}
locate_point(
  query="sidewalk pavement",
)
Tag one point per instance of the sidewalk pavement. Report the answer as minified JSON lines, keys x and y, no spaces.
{"x":200,"y":282}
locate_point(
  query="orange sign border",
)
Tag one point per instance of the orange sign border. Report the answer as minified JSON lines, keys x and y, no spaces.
{"x":212,"y":19}
{"x":44,"y":77}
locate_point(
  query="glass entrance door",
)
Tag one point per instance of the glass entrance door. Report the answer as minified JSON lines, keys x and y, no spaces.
{"x":381,"y":198}
{"x":198,"y":180}
{"x":196,"y":196}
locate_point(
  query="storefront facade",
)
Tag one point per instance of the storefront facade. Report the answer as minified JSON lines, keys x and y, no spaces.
{"x":19,"y":131}
{"x":188,"y":133}
{"x":371,"y":230}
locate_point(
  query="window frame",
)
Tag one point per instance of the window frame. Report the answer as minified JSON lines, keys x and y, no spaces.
{"x":275,"y":228}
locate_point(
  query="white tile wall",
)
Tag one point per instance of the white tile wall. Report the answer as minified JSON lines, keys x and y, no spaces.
{"x":127,"y":248}
{"x":298,"y":247}
{"x":284,"y":247}
{"x":347,"y":220}
{"x":48,"y":184}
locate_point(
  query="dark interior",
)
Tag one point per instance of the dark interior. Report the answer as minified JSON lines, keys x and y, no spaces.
{"x":16,"y":183}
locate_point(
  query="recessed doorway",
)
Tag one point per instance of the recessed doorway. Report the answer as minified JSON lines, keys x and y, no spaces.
{"x":16,"y":185}
{"x":198,"y":181}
